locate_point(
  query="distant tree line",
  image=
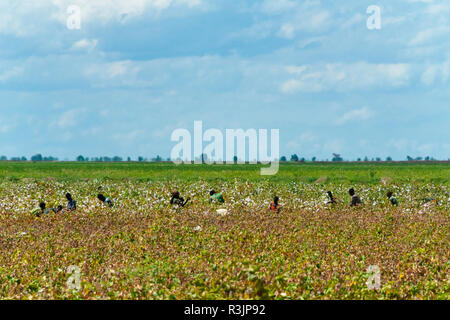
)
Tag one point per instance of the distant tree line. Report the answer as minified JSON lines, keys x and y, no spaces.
{"x":36,"y":157}
{"x":338,"y":158}
{"x":294,"y":158}
{"x":81,"y":158}
{"x":4,"y":158}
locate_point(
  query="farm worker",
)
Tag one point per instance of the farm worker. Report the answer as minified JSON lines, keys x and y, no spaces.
{"x":57,"y":209}
{"x":392,"y":199}
{"x":105,"y":200}
{"x":331,"y":200}
{"x":39,"y":211}
{"x":274,"y":206}
{"x":71,"y":204}
{"x":429,"y":201}
{"x":429,"y":204}
{"x":215,"y":196}
{"x":177,"y":200}
{"x":355,"y":199}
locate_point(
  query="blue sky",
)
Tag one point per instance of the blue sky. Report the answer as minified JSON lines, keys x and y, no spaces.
{"x":139,"y":69}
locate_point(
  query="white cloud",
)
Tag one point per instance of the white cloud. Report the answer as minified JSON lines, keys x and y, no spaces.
{"x":32,"y":17}
{"x":342,"y":77}
{"x":119,"y":68}
{"x":5,"y":127}
{"x":258,"y":30}
{"x":277,"y":6}
{"x":356,"y":19}
{"x":440,"y":8}
{"x":430,"y":34}
{"x":115,"y":10}
{"x":422,"y":1}
{"x":115,"y":74}
{"x":334,"y":145}
{"x":286,"y":31}
{"x":85,"y":44}
{"x":304,"y":22}
{"x":429,"y":75}
{"x":127,"y":137}
{"x":11,"y":73}
{"x":355,"y":115}
{"x":436,"y":72}
{"x":293,"y":85}
{"x":69,"y":118}
{"x":295,"y":69}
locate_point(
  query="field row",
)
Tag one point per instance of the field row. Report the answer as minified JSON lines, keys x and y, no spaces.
{"x":143,"y":248}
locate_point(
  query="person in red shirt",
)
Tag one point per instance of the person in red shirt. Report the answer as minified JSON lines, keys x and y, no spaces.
{"x":274,"y":206}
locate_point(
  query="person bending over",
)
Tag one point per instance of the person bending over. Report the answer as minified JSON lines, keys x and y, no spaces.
{"x":42,"y":209}
{"x":355,"y":199}
{"x":214,"y":196}
{"x":331,"y":199}
{"x":71,"y":204}
{"x":177,"y":200}
{"x":274,"y":205}
{"x":106,"y":201}
{"x":392,"y":199}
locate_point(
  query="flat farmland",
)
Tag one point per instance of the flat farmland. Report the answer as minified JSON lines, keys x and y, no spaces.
{"x":144,"y":248}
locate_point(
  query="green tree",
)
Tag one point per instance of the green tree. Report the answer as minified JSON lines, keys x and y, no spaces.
{"x":37,"y":157}
{"x":337,"y":157}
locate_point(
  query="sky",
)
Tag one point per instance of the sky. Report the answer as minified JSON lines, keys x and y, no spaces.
{"x":136,"y":70}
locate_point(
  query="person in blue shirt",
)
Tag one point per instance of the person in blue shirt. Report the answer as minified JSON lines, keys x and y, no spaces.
{"x":106,"y":201}
{"x":71,"y":204}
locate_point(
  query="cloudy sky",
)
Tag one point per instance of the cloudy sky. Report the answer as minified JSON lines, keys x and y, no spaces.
{"x":138,"y":69}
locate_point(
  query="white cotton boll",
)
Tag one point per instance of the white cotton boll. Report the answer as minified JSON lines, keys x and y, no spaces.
{"x":222,"y":212}
{"x":198,"y":228}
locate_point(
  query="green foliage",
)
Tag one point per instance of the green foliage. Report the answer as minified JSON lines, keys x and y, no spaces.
{"x":143,"y":248}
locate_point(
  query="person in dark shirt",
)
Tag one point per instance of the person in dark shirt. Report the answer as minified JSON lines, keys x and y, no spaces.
{"x":177,"y":200}
{"x":331,"y":199}
{"x":71,"y":204}
{"x":42,"y":205}
{"x":42,"y":209}
{"x":274,"y":206}
{"x":106,"y":201}
{"x":355,"y":199}
{"x":57,"y":209}
{"x":392,"y":199}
